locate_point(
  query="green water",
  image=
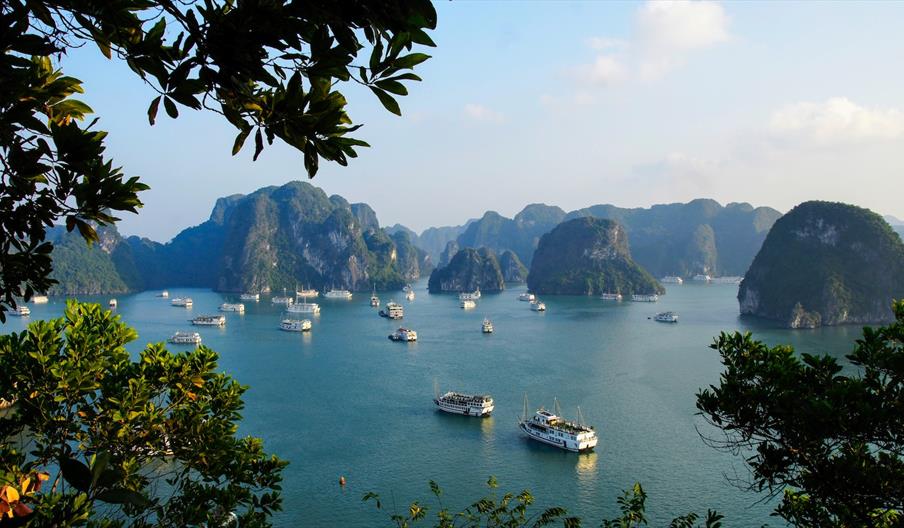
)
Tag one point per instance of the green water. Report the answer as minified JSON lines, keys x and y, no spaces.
{"x":344,"y":400}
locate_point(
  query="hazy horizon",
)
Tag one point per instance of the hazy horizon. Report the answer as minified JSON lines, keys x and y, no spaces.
{"x":625,"y":103}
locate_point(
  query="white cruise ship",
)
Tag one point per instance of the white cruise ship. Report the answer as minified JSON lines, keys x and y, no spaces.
{"x":527,"y":297}
{"x":232,"y":307}
{"x":338,"y":294}
{"x":209,"y":320}
{"x":487,"y":327}
{"x":20,"y":311}
{"x":186,"y":338}
{"x":700,"y":277}
{"x":469,"y":296}
{"x":393,"y":310}
{"x":537,"y":306}
{"x":185,"y":302}
{"x":113,"y":303}
{"x":309,"y":292}
{"x":727,"y":280}
{"x":551,"y":429}
{"x":304,"y":307}
{"x":637,"y":297}
{"x":666,"y":317}
{"x":164,"y":294}
{"x":611,"y":297}
{"x":466,"y":404}
{"x":468,"y":304}
{"x":250,"y":297}
{"x":374,"y":300}
{"x":409,"y":295}
{"x":40,"y":299}
{"x":281,"y":300}
{"x":671,"y":279}
{"x":403,"y":334}
{"x":295,"y":325}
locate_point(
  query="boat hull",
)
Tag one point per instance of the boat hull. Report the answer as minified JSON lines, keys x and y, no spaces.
{"x":561,"y":444}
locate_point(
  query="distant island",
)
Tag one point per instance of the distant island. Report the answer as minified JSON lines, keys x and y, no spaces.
{"x":470,"y":269}
{"x":588,"y":256}
{"x":826,"y":263}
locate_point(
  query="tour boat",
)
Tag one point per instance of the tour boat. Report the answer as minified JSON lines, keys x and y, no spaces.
{"x":466,"y":404}
{"x":304,"y":307}
{"x":468,"y":303}
{"x":186,"y":338}
{"x":21,"y":311}
{"x":393,"y":310}
{"x":487,"y":327}
{"x":406,"y":288}
{"x":209,"y":320}
{"x":638,"y":297}
{"x":163,"y":294}
{"x":554,"y":430}
{"x":250,"y":297}
{"x":409,"y":295}
{"x":403,"y":334}
{"x":374,"y":300}
{"x":666,"y":317}
{"x":672,"y":279}
{"x":526,"y":297}
{"x":700,"y":277}
{"x":182,"y":301}
{"x":232,"y":307}
{"x":338,"y":294}
{"x":281,"y":300}
{"x":295,"y":325}
{"x":537,"y":306}
{"x":611,"y":296}
{"x":40,"y":299}
{"x":310,"y":292}
{"x":113,"y":303}
{"x":727,"y":280}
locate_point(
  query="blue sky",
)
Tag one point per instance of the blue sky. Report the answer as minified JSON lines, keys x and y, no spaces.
{"x":573,"y":104}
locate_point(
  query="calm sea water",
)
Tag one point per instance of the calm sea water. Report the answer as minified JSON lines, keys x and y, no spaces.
{"x":344,"y":400}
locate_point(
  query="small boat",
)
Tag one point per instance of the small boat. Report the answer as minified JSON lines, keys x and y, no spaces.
{"x":40,"y":299}
{"x":527,"y":297}
{"x":406,"y":288}
{"x":209,"y":320}
{"x":186,"y":338}
{"x":611,"y":297}
{"x":554,"y":430}
{"x":20,"y":311}
{"x":393,"y":310}
{"x":295,"y":325}
{"x":250,"y":297}
{"x":468,"y":304}
{"x":702,"y":277}
{"x":304,"y":308}
{"x":409,"y":295}
{"x":164,"y":294}
{"x":113,"y":303}
{"x":281,"y":300}
{"x":185,"y":302}
{"x":467,"y":404}
{"x":727,"y":280}
{"x":538,"y":306}
{"x":671,"y":279}
{"x":403,"y":334}
{"x":487,"y":327}
{"x":469,"y":296}
{"x":374,"y":300}
{"x":310,"y":292}
{"x":232,"y":307}
{"x":338,"y":294}
{"x":652,"y":297}
{"x":666,"y":317}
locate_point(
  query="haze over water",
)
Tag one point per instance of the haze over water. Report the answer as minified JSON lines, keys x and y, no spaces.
{"x":344,"y":400}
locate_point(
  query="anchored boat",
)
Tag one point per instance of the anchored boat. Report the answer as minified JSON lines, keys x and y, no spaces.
{"x":666,"y":317}
{"x":552,"y":429}
{"x":468,"y":303}
{"x":21,"y":311}
{"x":184,"y":302}
{"x":250,"y":297}
{"x":209,"y":320}
{"x":538,"y":306}
{"x":393,"y":310}
{"x":467,"y":404}
{"x":487,"y":327}
{"x":295,"y":325}
{"x":527,"y":297}
{"x":186,"y":338}
{"x":403,"y":334}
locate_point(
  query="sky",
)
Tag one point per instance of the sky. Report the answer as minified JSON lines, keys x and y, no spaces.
{"x":570,"y":104}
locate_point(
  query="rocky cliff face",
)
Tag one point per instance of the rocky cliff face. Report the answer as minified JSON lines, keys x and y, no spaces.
{"x":512,"y":268}
{"x":588,"y":256}
{"x":825,"y":264}
{"x":468,"y":270}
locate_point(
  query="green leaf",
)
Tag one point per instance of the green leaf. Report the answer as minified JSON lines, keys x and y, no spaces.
{"x":240,"y":141}
{"x":101,"y":460}
{"x":170,"y":107}
{"x":152,"y":110}
{"x":258,"y":144}
{"x":387,"y":100}
{"x":410,"y":60}
{"x":392,"y":87}
{"x":123,"y":496}
{"x":76,"y":473}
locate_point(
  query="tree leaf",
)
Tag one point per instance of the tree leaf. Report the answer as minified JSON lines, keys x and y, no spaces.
{"x":240,"y":141}
{"x":123,"y":496}
{"x":387,"y":100}
{"x":170,"y":107}
{"x":152,"y":110}
{"x":410,"y":60}
{"x":76,"y":473}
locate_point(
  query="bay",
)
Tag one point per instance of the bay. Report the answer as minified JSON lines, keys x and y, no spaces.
{"x":343,"y":400}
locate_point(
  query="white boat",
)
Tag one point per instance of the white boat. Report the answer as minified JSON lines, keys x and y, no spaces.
{"x":469,"y":296}
{"x":551,"y":429}
{"x":666,"y":317}
{"x":466,"y":404}
{"x":20,"y":311}
{"x":406,"y":288}
{"x":209,"y":320}
{"x":295,"y":325}
{"x":338,"y":294}
{"x":393,"y":310}
{"x":182,"y":301}
{"x":310,"y":292}
{"x":409,"y":295}
{"x":250,"y":297}
{"x":304,"y":308}
{"x":232,"y":307}
{"x":611,"y":297}
{"x":113,"y":303}
{"x":186,"y":338}
{"x":468,"y":304}
{"x":40,"y":299}
{"x":727,"y":280}
{"x":537,"y":306}
{"x":281,"y":300}
{"x":163,"y":294}
{"x":527,"y":297}
{"x":637,"y":297}
{"x":701,"y":277}
{"x":403,"y":334}
{"x":671,"y":279}
{"x":487,"y":327}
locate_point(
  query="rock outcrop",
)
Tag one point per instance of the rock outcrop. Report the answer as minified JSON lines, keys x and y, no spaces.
{"x":468,"y":270}
{"x":512,"y":268}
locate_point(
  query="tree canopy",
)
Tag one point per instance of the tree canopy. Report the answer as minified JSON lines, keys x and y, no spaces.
{"x":272,"y":69}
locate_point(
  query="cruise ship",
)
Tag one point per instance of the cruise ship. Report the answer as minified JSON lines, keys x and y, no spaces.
{"x":374,"y":300}
{"x":281,"y":300}
{"x":537,"y":306}
{"x":295,"y":325}
{"x":467,"y":304}
{"x":671,"y":279}
{"x":469,"y":296}
{"x":338,"y":294}
{"x":403,"y":334}
{"x":409,"y":295}
{"x":727,"y":280}
{"x":527,"y":297}
{"x":700,"y":277}
{"x":466,"y":404}
{"x":113,"y":303}
{"x":20,"y":311}
{"x":304,"y":307}
{"x":40,"y":299}
{"x":232,"y":307}
{"x":393,"y":310}
{"x":209,"y":320}
{"x":554,"y":430}
{"x":487,"y":327}
{"x":185,"y":302}
{"x":163,"y":294}
{"x":639,"y":297}
{"x":186,"y":338}
{"x":666,"y":317}
{"x":250,"y":297}
{"x":611,"y":297}
{"x":310,"y":292}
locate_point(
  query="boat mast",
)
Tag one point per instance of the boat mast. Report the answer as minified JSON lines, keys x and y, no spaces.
{"x":435,"y":388}
{"x":524,"y":411}
{"x":580,"y":416}
{"x":556,"y":408}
